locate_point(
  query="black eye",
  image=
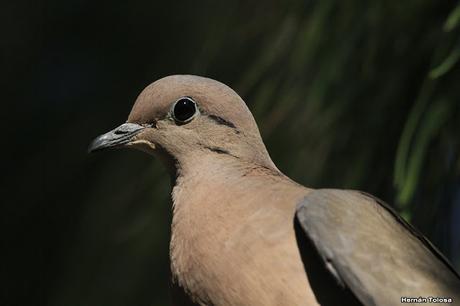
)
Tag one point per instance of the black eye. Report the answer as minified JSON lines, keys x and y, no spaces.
{"x":184,"y":109}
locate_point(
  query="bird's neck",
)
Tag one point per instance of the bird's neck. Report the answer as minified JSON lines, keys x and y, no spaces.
{"x":213,"y":206}
{"x":216,"y":162}
{"x":208,"y":192}
{"x":203,"y":175}
{"x":193,"y":181}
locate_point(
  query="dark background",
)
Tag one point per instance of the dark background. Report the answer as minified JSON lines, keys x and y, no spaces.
{"x":347,"y":94}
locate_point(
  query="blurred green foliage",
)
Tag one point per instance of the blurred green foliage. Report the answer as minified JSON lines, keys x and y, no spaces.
{"x":347,"y":94}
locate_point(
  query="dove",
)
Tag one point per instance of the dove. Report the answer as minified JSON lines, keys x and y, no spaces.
{"x":244,"y":233}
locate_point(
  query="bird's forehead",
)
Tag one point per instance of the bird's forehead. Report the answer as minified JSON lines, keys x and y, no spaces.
{"x":155,"y":101}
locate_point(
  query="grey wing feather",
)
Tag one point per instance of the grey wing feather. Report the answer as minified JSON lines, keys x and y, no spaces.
{"x":369,"y":249}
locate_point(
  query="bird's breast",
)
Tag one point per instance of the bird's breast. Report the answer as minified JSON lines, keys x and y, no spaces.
{"x":233,"y":243}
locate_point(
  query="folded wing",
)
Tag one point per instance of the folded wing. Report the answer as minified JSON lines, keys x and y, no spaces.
{"x":369,"y":251}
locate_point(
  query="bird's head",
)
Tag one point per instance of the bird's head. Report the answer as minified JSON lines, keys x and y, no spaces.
{"x":181,"y":116}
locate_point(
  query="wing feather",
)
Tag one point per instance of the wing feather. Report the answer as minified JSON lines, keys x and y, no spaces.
{"x":370,"y":250}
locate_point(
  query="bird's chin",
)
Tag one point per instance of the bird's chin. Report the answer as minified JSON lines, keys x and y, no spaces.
{"x":142,"y":145}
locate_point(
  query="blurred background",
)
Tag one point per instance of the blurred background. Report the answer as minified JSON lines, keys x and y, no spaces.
{"x":365,"y":95}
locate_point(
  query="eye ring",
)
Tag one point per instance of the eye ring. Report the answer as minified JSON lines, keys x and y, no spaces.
{"x":184,"y":110}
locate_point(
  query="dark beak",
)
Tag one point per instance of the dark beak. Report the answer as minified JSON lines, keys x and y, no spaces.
{"x":115,"y":138}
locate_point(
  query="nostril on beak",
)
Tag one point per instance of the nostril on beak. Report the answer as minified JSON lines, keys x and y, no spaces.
{"x":116,"y":138}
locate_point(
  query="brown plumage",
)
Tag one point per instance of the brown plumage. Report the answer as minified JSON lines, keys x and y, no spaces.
{"x":243,"y":233}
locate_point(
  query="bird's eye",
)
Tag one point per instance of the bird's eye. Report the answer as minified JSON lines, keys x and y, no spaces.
{"x":184,"y":109}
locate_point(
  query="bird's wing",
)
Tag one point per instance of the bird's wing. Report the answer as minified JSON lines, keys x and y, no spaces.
{"x":369,"y":250}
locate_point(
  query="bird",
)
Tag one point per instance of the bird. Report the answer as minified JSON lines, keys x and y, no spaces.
{"x":244,"y":233}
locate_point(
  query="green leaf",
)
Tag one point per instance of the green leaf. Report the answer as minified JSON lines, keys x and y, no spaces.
{"x":434,"y":119}
{"x":452,"y":19}
{"x":446,"y":65}
{"x":404,"y":147}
